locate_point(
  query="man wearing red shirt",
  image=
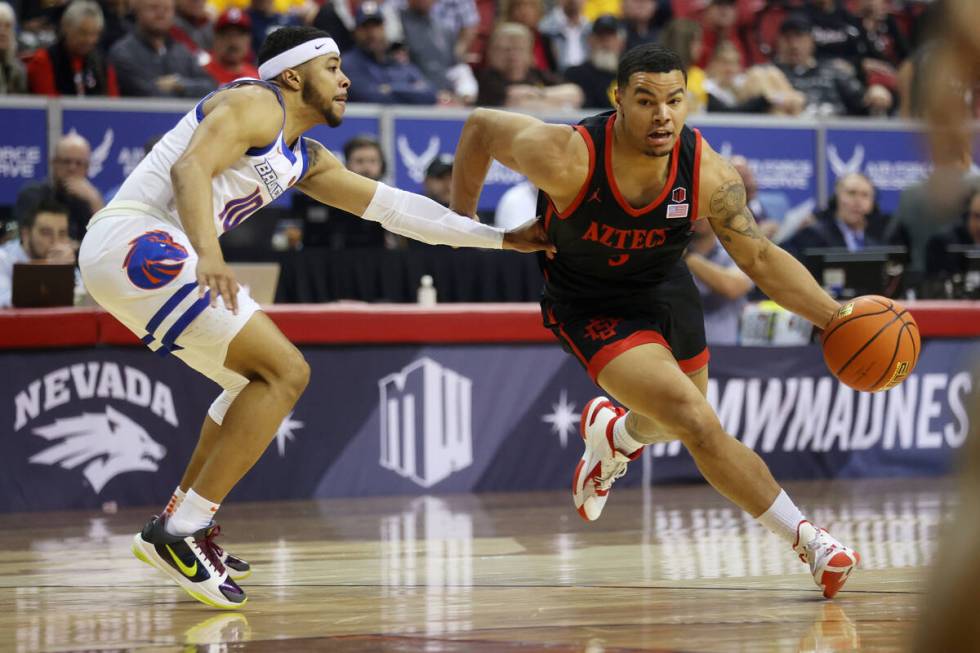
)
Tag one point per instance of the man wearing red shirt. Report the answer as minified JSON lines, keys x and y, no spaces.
{"x":232,"y":47}
{"x":73,"y":65}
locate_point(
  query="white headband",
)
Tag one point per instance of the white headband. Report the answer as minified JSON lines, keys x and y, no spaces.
{"x":295,"y":56}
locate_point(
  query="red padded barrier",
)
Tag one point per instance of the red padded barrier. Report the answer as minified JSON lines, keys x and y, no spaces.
{"x":352,"y":323}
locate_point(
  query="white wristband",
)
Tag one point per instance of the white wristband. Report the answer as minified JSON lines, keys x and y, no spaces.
{"x":423,"y":219}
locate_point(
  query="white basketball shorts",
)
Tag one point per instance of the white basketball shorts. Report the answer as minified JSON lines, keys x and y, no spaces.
{"x":143,"y":271}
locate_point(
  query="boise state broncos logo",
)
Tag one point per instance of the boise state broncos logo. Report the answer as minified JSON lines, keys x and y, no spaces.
{"x":154,"y":260}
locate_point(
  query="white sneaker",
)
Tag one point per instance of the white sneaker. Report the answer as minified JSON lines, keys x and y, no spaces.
{"x":601,"y":464}
{"x":830,"y":561}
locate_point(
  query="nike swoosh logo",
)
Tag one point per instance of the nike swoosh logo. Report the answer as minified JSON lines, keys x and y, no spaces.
{"x":317,"y":47}
{"x":190,"y":572}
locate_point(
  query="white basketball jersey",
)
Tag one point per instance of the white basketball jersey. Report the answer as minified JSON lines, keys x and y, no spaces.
{"x":258,"y":177}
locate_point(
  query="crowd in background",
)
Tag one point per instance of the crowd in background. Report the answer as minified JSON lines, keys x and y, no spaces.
{"x":788,"y":57}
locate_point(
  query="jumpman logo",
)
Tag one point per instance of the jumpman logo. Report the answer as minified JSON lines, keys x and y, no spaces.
{"x":595,"y":196}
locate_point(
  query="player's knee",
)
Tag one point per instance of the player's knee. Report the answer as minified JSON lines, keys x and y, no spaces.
{"x":698,"y":427}
{"x":295,"y":375}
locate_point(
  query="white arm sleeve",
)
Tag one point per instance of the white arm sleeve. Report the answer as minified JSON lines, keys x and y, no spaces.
{"x":422,"y":219}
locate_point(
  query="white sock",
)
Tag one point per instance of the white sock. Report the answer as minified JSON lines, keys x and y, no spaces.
{"x":194,"y":513}
{"x":175,"y":500}
{"x":622,"y":440}
{"x":782,"y":517}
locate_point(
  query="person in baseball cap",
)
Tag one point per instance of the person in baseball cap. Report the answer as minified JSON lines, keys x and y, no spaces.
{"x":231,"y":57}
{"x":597,"y":76}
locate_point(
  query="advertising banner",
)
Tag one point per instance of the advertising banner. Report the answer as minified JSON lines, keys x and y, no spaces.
{"x":118,"y":138}
{"x":783,"y":160}
{"x":23,"y":150}
{"x":85,"y":427}
{"x":419,"y":141}
{"x":892,"y":159}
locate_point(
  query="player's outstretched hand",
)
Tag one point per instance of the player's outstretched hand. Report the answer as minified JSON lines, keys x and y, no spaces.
{"x":214,"y":273}
{"x":529,"y":237}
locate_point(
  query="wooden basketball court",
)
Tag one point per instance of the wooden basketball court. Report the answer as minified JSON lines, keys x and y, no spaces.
{"x":665,"y":569}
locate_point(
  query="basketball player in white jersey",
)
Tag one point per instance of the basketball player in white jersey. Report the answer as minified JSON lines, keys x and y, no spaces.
{"x":152,"y":259}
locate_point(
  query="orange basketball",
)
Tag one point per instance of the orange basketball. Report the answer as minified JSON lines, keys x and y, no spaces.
{"x":871,"y":344}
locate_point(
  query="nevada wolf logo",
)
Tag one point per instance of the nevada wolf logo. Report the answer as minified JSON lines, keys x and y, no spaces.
{"x":111,"y":444}
{"x":154,"y":259}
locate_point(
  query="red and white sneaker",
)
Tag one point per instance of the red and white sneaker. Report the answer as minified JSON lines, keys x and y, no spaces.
{"x":830,"y":561}
{"x":601,"y":464}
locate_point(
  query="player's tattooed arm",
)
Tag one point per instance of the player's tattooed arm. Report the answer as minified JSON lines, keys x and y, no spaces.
{"x":774,"y":271}
{"x":730,"y":216}
{"x":315,"y":154}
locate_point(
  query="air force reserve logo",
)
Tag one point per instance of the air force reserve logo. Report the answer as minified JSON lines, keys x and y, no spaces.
{"x":426,"y":422}
{"x":107,"y":435}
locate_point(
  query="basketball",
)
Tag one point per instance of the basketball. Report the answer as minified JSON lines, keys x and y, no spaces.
{"x":872,"y":343}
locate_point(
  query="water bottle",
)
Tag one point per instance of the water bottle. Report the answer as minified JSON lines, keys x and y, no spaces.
{"x":427,"y":292}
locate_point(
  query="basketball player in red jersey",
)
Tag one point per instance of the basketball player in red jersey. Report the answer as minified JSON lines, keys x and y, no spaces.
{"x":618,"y":195}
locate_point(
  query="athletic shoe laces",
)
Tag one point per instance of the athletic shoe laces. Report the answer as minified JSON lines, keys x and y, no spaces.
{"x":617,"y":469}
{"x":212,"y":552}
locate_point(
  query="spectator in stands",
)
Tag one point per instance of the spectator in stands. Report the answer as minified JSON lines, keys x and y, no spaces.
{"x":150,"y":63}
{"x":13,"y":77}
{"x":381,"y":77}
{"x":966,"y":232}
{"x":851,"y":220}
{"x":68,"y":185}
{"x":829,"y":89}
{"x":336,"y":229}
{"x":267,"y":18}
{"x":115,"y":14}
{"x":460,"y":18}
{"x":597,"y":76}
{"x":439,"y":179}
{"x":43,"y":237}
{"x":683,"y":36}
{"x":232,"y":47}
{"x":192,"y":26}
{"x":516,"y":206}
{"x":836,"y":34}
{"x":568,"y":29}
{"x":431,"y":47}
{"x":38,"y":21}
{"x":883,"y":39}
{"x":74,"y":66}
{"x":528,"y":13}
{"x":509,"y":79}
{"x":760,"y":89}
{"x":931,"y":206}
{"x":719,"y":25}
{"x":722,"y":285}
{"x":338,"y":18}
{"x":644,"y":19}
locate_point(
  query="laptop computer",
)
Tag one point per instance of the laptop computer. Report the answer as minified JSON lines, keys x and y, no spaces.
{"x":42,"y":285}
{"x":261,"y":280}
